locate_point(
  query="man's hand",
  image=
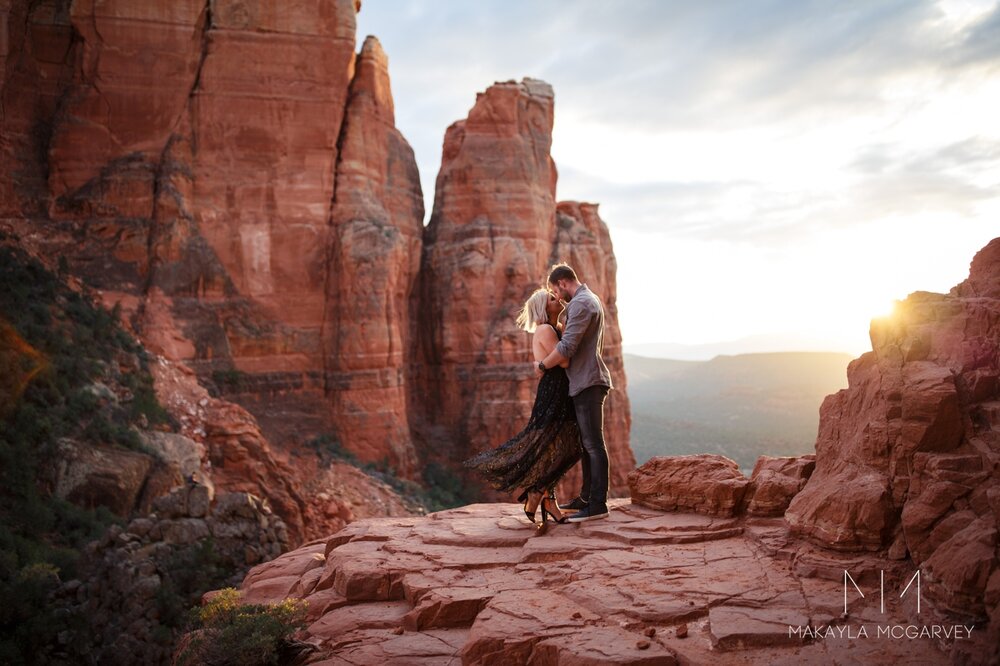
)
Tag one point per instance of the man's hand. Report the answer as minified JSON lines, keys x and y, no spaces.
{"x":538,"y":371}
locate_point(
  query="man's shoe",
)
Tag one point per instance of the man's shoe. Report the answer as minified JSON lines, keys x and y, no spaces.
{"x":574,"y":505}
{"x":589,"y":513}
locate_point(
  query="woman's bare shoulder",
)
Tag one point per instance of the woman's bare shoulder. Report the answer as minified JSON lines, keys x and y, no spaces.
{"x":545,"y":332}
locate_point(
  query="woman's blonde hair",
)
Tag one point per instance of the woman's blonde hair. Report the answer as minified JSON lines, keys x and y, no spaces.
{"x":533,"y":313}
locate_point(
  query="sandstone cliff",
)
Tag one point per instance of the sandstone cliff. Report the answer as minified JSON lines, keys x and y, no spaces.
{"x":377,"y":228}
{"x":191,"y":155}
{"x":231,"y":175}
{"x":494,"y":232}
{"x":907,"y":456}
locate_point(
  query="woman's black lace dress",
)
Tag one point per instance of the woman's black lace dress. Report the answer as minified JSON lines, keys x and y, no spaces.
{"x":538,"y":456}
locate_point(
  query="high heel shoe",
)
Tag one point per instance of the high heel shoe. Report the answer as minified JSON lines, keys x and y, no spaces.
{"x":545,"y":511}
{"x":526,"y":497}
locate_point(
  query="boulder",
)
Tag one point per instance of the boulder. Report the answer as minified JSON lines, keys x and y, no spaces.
{"x":705,"y":483}
{"x":775,"y":481}
{"x":94,"y":475}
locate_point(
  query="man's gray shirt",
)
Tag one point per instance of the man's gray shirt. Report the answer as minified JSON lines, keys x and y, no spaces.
{"x":583,"y":341}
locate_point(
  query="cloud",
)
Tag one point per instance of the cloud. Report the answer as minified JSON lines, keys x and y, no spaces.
{"x":942,"y":179}
{"x":723,"y":65}
{"x":648,"y":63}
{"x":795,"y":70}
{"x":887,"y":182}
{"x":981,"y":42}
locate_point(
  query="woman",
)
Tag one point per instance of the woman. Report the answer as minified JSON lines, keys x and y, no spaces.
{"x":537,"y":457}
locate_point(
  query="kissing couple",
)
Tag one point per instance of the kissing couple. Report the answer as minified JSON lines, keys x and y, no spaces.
{"x":566,"y":320}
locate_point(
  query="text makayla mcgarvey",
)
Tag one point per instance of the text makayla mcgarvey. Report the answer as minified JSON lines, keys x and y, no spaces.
{"x":891,"y":631}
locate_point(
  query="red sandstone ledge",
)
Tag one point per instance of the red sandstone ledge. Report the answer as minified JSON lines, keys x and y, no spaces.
{"x":479,"y":585}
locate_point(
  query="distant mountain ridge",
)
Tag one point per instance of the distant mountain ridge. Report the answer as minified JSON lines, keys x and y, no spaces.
{"x":753,"y":344}
{"x":740,"y":406}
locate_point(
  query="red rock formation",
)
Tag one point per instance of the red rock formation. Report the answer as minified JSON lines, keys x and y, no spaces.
{"x":907,"y":456}
{"x":485,"y":249}
{"x":195,"y":150}
{"x":714,"y":485}
{"x":377,"y":224}
{"x":237,"y":456}
{"x":706,"y":483}
{"x":492,"y":237}
{"x":775,"y":481}
{"x":231,"y":174}
{"x":135,"y":68}
{"x":584,"y":242}
{"x":37,"y":60}
{"x":478,"y":585}
{"x":312,"y":500}
{"x":250,"y":190}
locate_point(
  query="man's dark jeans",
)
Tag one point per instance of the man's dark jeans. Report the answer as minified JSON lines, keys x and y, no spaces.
{"x":589,"y":405}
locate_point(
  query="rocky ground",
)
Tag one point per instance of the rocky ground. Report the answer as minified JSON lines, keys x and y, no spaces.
{"x":479,"y":585}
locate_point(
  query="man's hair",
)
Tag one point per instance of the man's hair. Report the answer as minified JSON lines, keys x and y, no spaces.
{"x":561,"y":272}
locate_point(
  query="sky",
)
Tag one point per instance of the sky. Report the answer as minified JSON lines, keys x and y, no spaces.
{"x":773,"y":174}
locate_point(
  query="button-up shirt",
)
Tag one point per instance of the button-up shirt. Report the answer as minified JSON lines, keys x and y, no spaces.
{"x":583,"y":341}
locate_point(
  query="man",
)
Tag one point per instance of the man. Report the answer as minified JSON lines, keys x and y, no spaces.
{"x":589,"y":383}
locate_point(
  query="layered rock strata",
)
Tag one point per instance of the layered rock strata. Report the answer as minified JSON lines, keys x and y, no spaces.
{"x":231,"y":174}
{"x":494,"y":232}
{"x":486,"y":248}
{"x":376,"y":235}
{"x":708,"y":483}
{"x":191,"y":156}
{"x":37,"y":60}
{"x":479,"y":585}
{"x":907,"y":456}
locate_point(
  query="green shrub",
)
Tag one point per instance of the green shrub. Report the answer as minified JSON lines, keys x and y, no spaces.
{"x":229,"y":632}
{"x":230,"y":381}
{"x":186,"y":574}
{"x":441,"y":489}
{"x":444,"y":489}
{"x":28,"y":623}
{"x":68,"y":342}
{"x":329,"y":448}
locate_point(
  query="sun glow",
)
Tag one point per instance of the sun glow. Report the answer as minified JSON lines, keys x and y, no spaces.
{"x":886,"y":311}
{"x":819,"y":293}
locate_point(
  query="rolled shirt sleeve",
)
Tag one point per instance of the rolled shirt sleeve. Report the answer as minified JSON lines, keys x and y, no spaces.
{"x":583,"y":341}
{"x":578,"y":320}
